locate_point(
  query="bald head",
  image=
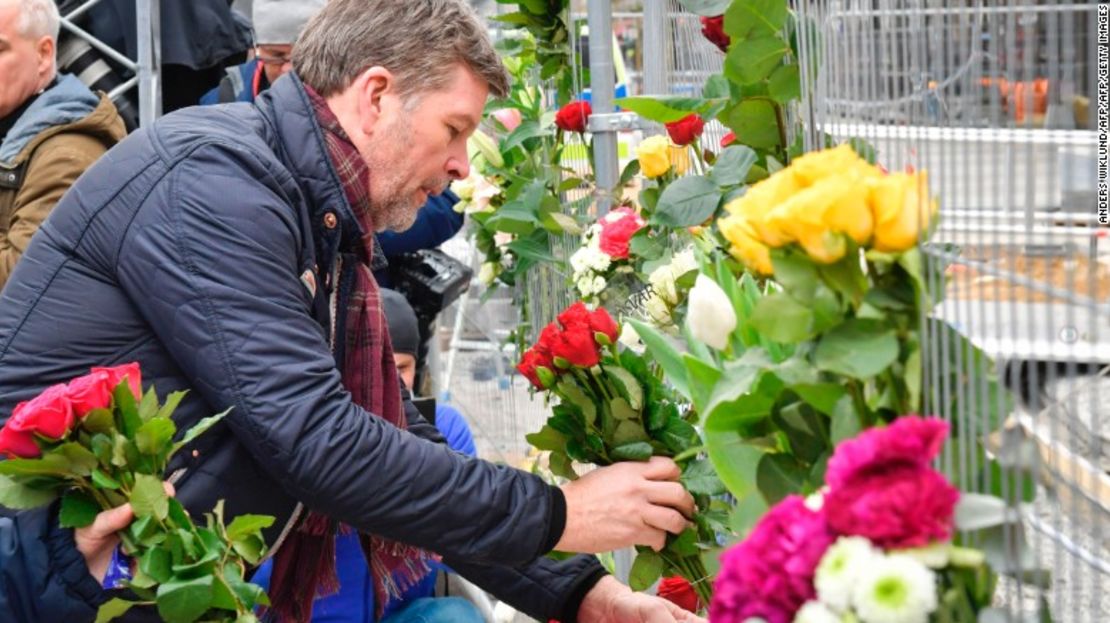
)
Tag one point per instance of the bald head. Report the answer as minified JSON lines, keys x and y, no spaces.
{"x":37,"y":18}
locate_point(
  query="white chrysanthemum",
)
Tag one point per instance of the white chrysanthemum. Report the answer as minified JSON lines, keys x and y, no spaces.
{"x":815,"y":612}
{"x":895,"y":589}
{"x":579,"y":261}
{"x":599,"y":284}
{"x":840,"y":568}
{"x":816,"y":500}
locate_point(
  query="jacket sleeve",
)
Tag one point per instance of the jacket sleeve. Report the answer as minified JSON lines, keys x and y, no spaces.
{"x":44,"y":577}
{"x":53,"y":168}
{"x":436,"y":223}
{"x":544,"y":589}
{"x":211,"y":260}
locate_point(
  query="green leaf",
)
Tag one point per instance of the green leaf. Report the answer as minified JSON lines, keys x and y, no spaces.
{"x":577,"y":398}
{"x":636,"y":451}
{"x":747,"y":512}
{"x":631,"y":170}
{"x":703,"y":378}
{"x":749,"y":18}
{"x":49,"y":465}
{"x":547,"y":439}
{"x":154,"y":436}
{"x":700,"y":478}
{"x":845,"y":421}
{"x":755,"y":123}
{"x":104,"y":481}
{"x":560,"y":465}
{"x":78,"y":510}
{"x":113,"y":609}
{"x":785,"y":84}
{"x":621,"y":410}
{"x":735,"y":459}
{"x":531,"y":249}
{"x":646,"y":569}
{"x":754,"y":59}
{"x":707,"y":8}
{"x":98,"y":421}
{"x":732,"y":165}
{"x":245,"y":525}
{"x":665,"y":109}
{"x":678,"y":435}
{"x":821,"y":396}
{"x":665,"y":353}
{"x":148,"y":406}
{"x":525,"y":131}
{"x":778,"y":476}
{"x":688,"y":201}
{"x":858,"y":348}
{"x":780,"y":317}
{"x":128,"y":411}
{"x":629,"y":431}
{"x":148,"y":497}
{"x":627,"y":385}
{"x":81,"y":460}
{"x":156,"y":564}
{"x":716,"y":87}
{"x":185,"y":601}
{"x":145,"y":530}
{"x":250,"y":547}
{"x":171,"y":403}
{"x":200,"y":429}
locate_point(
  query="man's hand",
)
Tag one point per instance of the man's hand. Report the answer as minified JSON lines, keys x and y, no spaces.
{"x":609,"y":601}
{"x":623,"y":505}
{"x":97,"y":541}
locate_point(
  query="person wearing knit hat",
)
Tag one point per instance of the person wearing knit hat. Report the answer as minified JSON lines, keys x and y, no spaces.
{"x":277,"y":23}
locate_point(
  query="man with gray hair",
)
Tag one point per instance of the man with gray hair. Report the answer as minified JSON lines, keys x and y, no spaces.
{"x":229,"y":252}
{"x":51,"y":128}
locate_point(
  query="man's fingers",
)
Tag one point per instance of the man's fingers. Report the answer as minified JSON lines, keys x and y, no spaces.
{"x":673,"y":495}
{"x":111,"y":521}
{"x":168,"y":486}
{"x":661,"y":468}
{"x":665,"y":519}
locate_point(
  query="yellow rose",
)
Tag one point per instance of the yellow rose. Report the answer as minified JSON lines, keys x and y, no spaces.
{"x":818,"y":165}
{"x":680,"y":159}
{"x":757,"y":204}
{"x":901,"y":208}
{"x":653,"y":155}
{"x":745,"y":245}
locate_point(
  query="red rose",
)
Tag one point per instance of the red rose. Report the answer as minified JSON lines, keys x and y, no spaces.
{"x":92,"y":391}
{"x":575,"y":316}
{"x":686,"y":130}
{"x":118,"y":373}
{"x":728,"y":139}
{"x":602,"y":322}
{"x":679,"y":592}
{"x":572,"y":117}
{"x":617,"y":229}
{"x":714,"y":29}
{"x":531,"y":362}
{"x":49,"y":414}
{"x":18,"y":444}
{"x":577,"y":346}
{"x":548,"y":336}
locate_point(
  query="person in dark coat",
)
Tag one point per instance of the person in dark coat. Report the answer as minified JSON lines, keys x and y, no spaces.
{"x":227,"y":250}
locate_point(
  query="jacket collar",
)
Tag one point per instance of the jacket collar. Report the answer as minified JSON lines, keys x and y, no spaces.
{"x":68,"y":101}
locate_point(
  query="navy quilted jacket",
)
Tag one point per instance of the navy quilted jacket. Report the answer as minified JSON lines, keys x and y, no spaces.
{"x":198,"y":247}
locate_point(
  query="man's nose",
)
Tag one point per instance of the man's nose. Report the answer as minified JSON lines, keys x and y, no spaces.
{"x":458,"y":166}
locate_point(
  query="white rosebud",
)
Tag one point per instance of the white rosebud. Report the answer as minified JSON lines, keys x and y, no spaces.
{"x":662,"y":283}
{"x":658,"y":310}
{"x":488,"y":272}
{"x":630,"y":339}
{"x":710,"y":316}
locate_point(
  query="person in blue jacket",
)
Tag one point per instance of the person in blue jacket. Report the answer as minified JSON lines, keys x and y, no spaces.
{"x":354,"y":603}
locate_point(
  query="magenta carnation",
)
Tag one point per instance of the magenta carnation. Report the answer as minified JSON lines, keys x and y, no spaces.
{"x":770,"y":573}
{"x":909,"y":440}
{"x":617,"y":229}
{"x":909,"y":506}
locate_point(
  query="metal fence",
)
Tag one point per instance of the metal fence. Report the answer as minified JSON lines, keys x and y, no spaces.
{"x":992,"y":99}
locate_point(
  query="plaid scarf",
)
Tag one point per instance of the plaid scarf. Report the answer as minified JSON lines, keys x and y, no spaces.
{"x":304,"y":567}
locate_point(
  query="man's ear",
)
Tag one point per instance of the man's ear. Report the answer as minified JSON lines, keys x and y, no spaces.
{"x":373,"y":86}
{"x":45,"y":50}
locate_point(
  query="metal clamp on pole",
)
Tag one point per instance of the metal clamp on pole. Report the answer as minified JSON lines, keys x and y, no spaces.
{"x":613,"y":122}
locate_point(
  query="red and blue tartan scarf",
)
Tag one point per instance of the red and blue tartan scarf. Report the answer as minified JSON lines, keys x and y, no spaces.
{"x":304,"y":566}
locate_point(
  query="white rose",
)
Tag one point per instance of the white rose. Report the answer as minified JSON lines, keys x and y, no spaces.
{"x":662,"y":283}
{"x":658,"y":310}
{"x":710,"y":316}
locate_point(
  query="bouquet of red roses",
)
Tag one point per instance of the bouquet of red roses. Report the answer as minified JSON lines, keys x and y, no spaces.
{"x":612,"y":407}
{"x":99,"y":442}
